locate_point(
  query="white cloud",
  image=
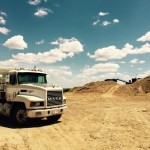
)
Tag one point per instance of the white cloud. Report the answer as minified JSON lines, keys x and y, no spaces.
{"x":145,"y":37}
{"x":115,"y":21}
{"x":103,"y":13}
{"x":142,"y":62}
{"x":16,"y":42}
{"x":42,"y":12}
{"x":34,"y":2}
{"x":111,"y":52}
{"x":100,"y":72}
{"x":134,"y":61}
{"x":96,"y":22}
{"x":59,"y":71}
{"x":69,"y":45}
{"x":107,"y":53}
{"x":4,"y":30}
{"x":143,"y":75}
{"x":99,"y":68}
{"x":143,"y":49}
{"x":9,"y":63}
{"x":106,"y":23}
{"x":3,"y":13}
{"x":66,"y":48}
{"x":39,"y":42}
{"x":22,"y":58}
{"x":2,"y":20}
{"x":61,"y":75}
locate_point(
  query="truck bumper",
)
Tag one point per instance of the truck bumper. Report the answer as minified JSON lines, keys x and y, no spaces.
{"x":41,"y":113}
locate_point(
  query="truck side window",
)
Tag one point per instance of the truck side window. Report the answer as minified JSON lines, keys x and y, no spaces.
{"x":13,"y":79}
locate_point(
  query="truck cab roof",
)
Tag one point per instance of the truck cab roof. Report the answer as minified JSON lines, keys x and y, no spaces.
{"x":8,"y":70}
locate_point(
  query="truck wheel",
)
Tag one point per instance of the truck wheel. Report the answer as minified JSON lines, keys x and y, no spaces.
{"x":54,"y":118}
{"x":20,"y":116}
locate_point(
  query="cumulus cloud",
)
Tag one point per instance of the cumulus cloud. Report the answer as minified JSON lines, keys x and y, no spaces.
{"x":3,"y":13}
{"x":59,"y":71}
{"x":16,"y":42}
{"x":136,"y":61}
{"x":103,"y":13}
{"x":100,"y":72}
{"x":115,"y":21}
{"x":4,"y":30}
{"x":65,"y":48}
{"x":106,"y":23}
{"x":107,"y":53}
{"x":40,"y":42}
{"x":62,"y":75}
{"x":41,"y":12}
{"x":143,"y":75}
{"x":69,"y":45}
{"x":99,"y":68}
{"x":34,"y":2}
{"x":144,"y":38}
{"x":112,"y":52}
{"x":2,"y":20}
{"x":96,"y":22}
{"x":142,"y":62}
{"x":9,"y":63}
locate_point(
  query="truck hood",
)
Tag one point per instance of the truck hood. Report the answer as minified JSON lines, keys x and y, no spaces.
{"x":40,"y":87}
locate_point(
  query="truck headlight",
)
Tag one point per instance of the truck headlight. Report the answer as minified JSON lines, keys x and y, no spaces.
{"x":36,"y":104}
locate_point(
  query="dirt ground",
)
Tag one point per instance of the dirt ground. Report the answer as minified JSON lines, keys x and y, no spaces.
{"x":91,"y":122}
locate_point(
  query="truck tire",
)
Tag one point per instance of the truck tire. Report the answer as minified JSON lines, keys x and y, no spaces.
{"x":54,"y":118}
{"x":19,"y":115}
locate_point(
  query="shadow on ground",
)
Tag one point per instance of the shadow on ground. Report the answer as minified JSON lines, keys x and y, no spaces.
{"x":33,"y":123}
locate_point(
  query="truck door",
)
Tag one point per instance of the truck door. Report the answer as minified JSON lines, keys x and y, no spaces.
{"x":12,"y":88}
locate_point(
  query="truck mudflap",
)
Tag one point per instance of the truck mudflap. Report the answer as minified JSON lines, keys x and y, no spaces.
{"x":40,"y":113}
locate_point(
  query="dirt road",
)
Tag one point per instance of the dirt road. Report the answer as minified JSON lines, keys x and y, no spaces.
{"x":92,"y":122}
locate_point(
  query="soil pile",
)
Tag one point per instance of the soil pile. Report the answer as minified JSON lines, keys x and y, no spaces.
{"x":99,"y":86}
{"x":113,"y":88}
{"x":140,"y":86}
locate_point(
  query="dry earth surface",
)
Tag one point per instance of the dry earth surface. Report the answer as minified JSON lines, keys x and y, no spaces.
{"x":92,"y":122}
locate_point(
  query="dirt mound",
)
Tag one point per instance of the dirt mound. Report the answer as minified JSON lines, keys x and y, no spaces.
{"x":113,"y":88}
{"x":140,"y":86}
{"x":99,"y":86}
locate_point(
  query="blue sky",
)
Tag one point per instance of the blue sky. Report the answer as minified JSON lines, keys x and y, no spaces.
{"x":79,"y":41}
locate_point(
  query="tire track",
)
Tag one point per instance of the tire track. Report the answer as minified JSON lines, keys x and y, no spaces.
{"x":111,"y":91}
{"x":24,"y":135}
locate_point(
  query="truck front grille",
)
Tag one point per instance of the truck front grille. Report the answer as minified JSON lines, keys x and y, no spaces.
{"x":54,"y":98}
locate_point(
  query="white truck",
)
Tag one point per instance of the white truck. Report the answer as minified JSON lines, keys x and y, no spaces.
{"x":24,"y":94}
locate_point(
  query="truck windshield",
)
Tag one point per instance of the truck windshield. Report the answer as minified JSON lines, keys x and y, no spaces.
{"x":26,"y":78}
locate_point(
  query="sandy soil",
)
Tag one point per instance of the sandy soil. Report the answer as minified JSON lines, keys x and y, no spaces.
{"x":92,"y":122}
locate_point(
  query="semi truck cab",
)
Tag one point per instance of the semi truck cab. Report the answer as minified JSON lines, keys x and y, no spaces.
{"x":25,"y":94}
